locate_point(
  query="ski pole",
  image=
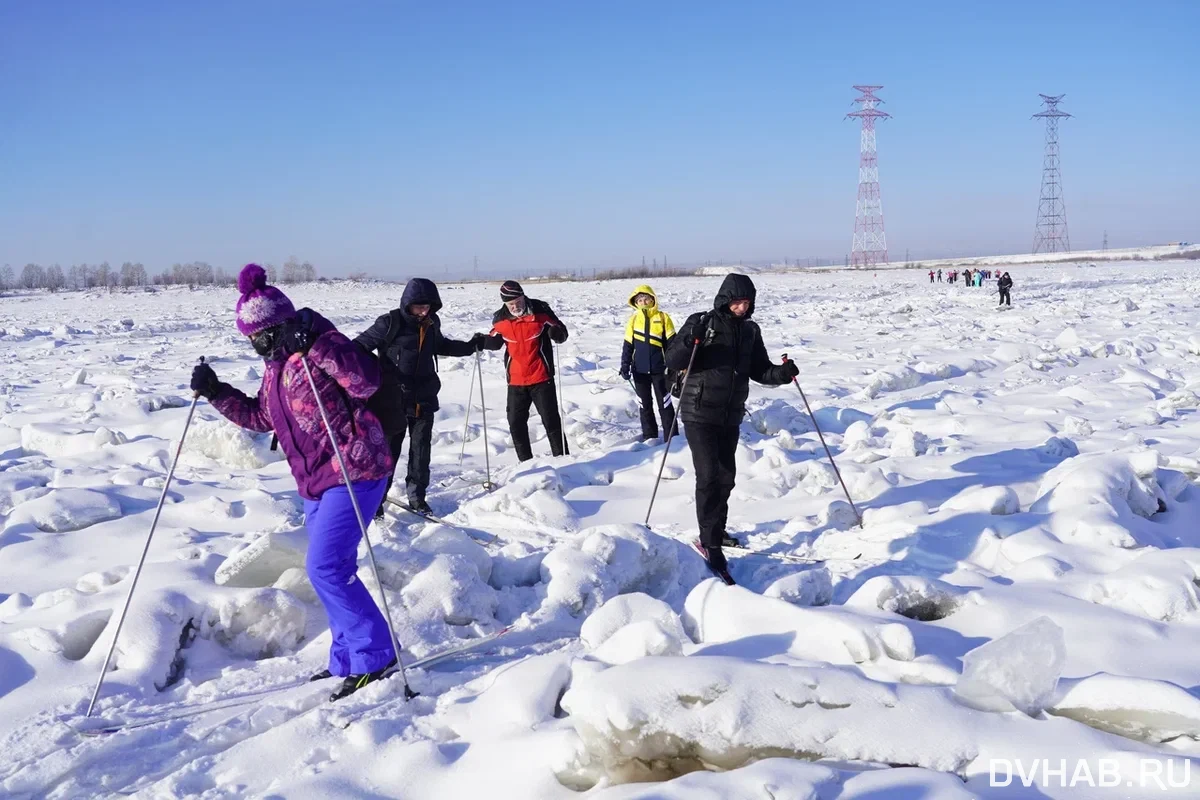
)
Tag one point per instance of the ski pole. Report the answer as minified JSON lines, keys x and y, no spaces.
{"x":636,"y":396}
{"x":145,"y":550}
{"x":487,"y":458}
{"x":337,"y":454}
{"x":671,"y":433}
{"x":562,"y":419}
{"x":467,"y":417}
{"x":821,"y":436}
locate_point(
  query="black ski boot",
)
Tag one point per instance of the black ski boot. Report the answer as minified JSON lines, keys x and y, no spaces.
{"x":320,"y":676}
{"x":421,"y":507}
{"x":715,"y":560}
{"x":729,"y":541}
{"x":352,"y":683}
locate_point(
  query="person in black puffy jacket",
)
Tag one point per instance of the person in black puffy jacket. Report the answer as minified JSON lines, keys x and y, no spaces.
{"x":408,"y":340}
{"x":1005,"y":286}
{"x":712,"y":404}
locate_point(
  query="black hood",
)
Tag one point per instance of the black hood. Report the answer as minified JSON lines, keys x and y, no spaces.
{"x":421,"y":291}
{"x":735,"y":287}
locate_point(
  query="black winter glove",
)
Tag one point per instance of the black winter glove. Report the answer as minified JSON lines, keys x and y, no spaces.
{"x":702,"y":330}
{"x":204,"y":381}
{"x":479,"y":341}
{"x":558,"y":334}
{"x":790,"y":369}
{"x":626,"y":372}
{"x":298,"y":337}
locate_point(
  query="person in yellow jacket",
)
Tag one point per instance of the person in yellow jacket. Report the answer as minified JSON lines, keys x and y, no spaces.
{"x":644,"y":363}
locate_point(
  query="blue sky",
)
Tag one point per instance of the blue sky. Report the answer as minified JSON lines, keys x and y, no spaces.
{"x":401,"y":137}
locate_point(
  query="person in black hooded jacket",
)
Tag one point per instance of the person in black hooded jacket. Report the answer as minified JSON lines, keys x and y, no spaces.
{"x":408,"y":340}
{"x":730,"y":354}
{"x":1005,"y":286}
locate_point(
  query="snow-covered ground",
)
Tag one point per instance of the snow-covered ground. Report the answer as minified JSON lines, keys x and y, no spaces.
{"x":1026,"y":584}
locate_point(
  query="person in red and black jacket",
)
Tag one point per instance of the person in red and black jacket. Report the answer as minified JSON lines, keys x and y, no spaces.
{"x":527,"y":327}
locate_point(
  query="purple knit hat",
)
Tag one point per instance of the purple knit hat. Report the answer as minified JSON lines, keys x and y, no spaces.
{"x":261,"y":306}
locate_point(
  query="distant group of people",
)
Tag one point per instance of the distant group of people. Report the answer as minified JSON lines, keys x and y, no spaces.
{"x":976,"y":278}
{"x":322,"y":390}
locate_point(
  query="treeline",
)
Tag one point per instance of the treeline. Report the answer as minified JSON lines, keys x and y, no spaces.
{"x":131,"y":275}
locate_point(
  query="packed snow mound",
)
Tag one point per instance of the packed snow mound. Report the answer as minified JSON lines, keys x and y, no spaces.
{"x":1160,"y":585}
{"x":78,"y":379}
{"x":777,"y":416}
{"x":508,"y":702}
{"x":716,"y":613}
{"x":608,"y":560}
{"x":147,"y":657}
{"x":227,"y":444}
{"x":264,"y":560}
{"x":910,"y":596}
{"x":157,"y":402}
{"x":1078,"y":427}
{"x":16,"y":488}
{"x":452,"y":541}
{"x":637,"y":640}
{"x":838,"y":514}
{"x":1115,"y":486}
{"x":1057,"y":448}
{"x":295,"y":582}
{"x":1017,"y":672}
{"x":1137,"y":708}
{"x":61,"y":441}
{"x":619,"y":611}
{"x":450,"y":591}
{"x":657,"y":718}
{"x":984,"y":500}
{"x":810,"y":587}
{"x":891,"y":379}
{"x":258,"y":623}
{"x":909,"y":443}
{"x":68,"y":510}
{"x":531,"y":499}
{"x":72,"y":639}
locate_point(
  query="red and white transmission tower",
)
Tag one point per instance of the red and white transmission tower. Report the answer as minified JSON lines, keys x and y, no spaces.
{"x":869,"y":246}
{"x":1050,"y":233}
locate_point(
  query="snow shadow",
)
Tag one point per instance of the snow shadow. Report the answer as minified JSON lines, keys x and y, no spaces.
{"x":15,"y":671}
{"x":758,"y":647}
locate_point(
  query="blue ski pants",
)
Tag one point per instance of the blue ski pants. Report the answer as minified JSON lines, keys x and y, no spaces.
{"x":361,"y":642}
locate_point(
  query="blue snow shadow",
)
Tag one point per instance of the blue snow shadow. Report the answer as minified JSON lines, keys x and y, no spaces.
{"x":15,"y":671}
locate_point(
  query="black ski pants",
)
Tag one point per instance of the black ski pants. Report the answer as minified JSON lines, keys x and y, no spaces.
{"x":542,"y":397}
{"x":656,"y":385}
{"x":1006,"y":297}
{"x":713,"y":449}
{"x":416,"y":482}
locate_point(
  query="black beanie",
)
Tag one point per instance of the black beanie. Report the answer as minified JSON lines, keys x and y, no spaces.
{"x":511,"y":290}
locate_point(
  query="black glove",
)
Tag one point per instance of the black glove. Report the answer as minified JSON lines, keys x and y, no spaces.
{"x":479,"y":341}
{"x":625,"y":372}
{"x":558,"y":333}
{"x":703,"y":331}
{"x":790,"y":369}
{"x":297,"y":337}
{"x":204,"y":381}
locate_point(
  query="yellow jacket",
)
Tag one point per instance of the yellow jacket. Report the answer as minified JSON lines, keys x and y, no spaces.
{"x":646,"y":336}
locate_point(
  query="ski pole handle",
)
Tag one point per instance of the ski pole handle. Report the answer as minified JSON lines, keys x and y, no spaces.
{"x":786,"y":360}
{"x":196,"y":395}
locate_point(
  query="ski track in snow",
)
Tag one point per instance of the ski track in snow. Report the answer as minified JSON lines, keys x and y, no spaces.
{"x":1027,"y":478}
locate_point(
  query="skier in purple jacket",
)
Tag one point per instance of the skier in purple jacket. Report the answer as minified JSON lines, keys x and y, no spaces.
{"x":345,"y":376}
